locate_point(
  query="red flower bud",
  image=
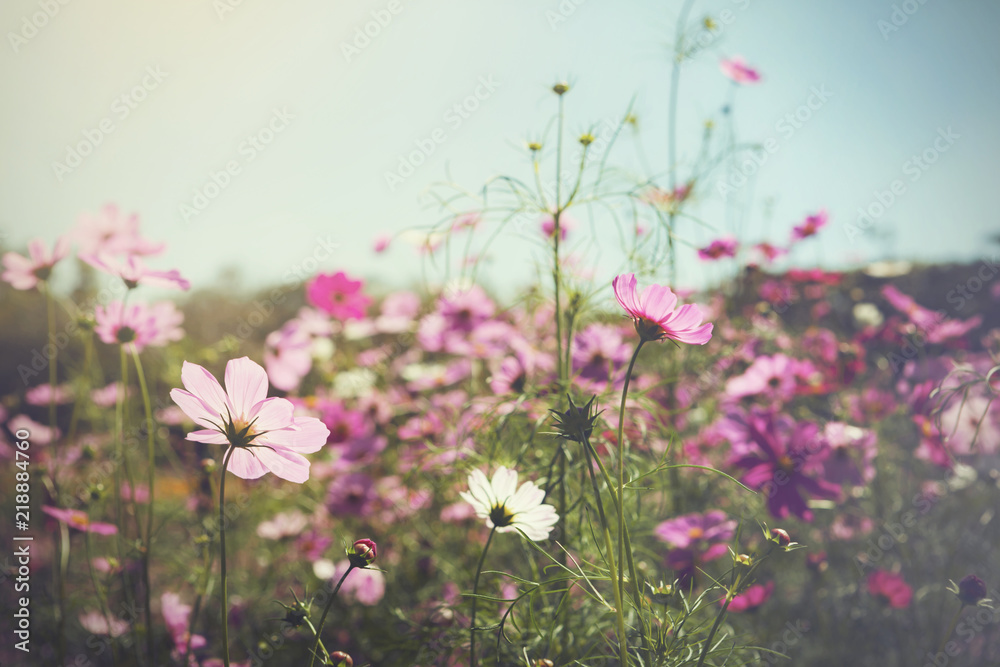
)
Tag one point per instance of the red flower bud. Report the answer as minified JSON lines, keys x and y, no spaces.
{"x":362,"y":553}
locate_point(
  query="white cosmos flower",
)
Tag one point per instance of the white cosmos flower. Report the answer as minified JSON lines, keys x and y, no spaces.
{"x":508,"y":507}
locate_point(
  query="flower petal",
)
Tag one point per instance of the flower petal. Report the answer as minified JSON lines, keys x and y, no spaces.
{"x":246,"y":384}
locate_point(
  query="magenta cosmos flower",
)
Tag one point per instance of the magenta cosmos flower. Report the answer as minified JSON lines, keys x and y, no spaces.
{"x":80,"y":521}
{"x":782,"y":458}
{"x":751,"y":598}
{"x":719,"y":248}
{"x":737,"y":70}
{"x":25,"y":273}
{"x":338,"y":295}
{"x":266,"y":436}
{"x":656,"y":315}
{"x":811,"y":225}
{"x":891,"y":588}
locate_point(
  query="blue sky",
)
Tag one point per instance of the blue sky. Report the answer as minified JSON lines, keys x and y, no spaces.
{"x":200,"y":78}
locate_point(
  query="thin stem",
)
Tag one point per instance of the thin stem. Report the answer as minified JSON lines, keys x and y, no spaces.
{"x":475,"y":591}
{"x":609,"y":548}
{"x":222,"y":554}
{"x":326,"y":610}
{"x":51,"y":317}
{"x":318,"y":640}
{"x":715,"y":626}
{"x":147,"y":552}
{"x":621,"y":473}
{"x":951,"y":629}
{"x":675,"y":74}
{"x":101,"y":598}
{"x":556,"y":231}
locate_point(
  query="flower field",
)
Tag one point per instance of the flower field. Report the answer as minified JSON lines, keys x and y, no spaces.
{"x":789,"y":465}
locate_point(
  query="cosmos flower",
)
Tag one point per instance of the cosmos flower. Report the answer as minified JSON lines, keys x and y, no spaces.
{"x":507,"y":507}
{"x":811,"y":225}
{"x":752,"y":598}
{"x":110,"y":232}
{"x":738,"y":71}
{"x":138,"y":324}
{"x":695,"y":540}
{"x":80,"y":521}
{"x":175,"y":616}
{"x":264,"y":433}
{"x":24,"y":273}
{"x":719,"y":248}
{"x":891,"y":588}
{"x":97,"y":623}
{"x":783,"y":458}
{"x":338,"y":295}
{"x":566,"y":225}
{"x":134,"y":272}
{"x":656,"y":315}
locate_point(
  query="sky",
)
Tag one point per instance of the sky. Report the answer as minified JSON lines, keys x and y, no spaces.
{"x":257,"y":136}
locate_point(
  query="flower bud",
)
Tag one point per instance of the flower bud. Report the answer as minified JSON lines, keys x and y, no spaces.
{"x":341,"y":659}
{"x":362,"y":553}
{"x":780,"y":537}
{"x":971,"y":590}
{"x":560,"y":88}
{"x":543,"y":662}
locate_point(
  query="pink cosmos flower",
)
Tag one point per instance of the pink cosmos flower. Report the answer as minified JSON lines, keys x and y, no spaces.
{"x":80,"y":521}
{"x":382,"y":242}
{"x":666,"y":200}
{"x":773,"y":377}
{"x":97,"y":623}
{"x":338,"y":295}
{"x":175,"y":616}
{"x":738,"y":71}
{"x":24,"y":273}
{"x":112,"y":233}
{"x":599,"y":355}
{"x":134,"y":272}
{"x":891,"y":588}
{"x":811,"y":225}
{"x":566,"y":225}
{"x":264,"y":433}
{"x":695,"y":540}
{"x":935,"y":326}
{"x":139,"y":324}
{"x":288,"y":355}
{"x":44,"y":393}
{"x":285,"y":524}
{"x":106,"y":397}
{"x":719,"y":248}
{"x":366,"y":585}
{"x":769,"y":252}
{"x":751,"y":598}
{"x":40,"y":433}
{"x":655,"y":313}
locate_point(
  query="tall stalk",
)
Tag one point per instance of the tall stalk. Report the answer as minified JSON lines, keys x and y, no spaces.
{"x":151,"y":478}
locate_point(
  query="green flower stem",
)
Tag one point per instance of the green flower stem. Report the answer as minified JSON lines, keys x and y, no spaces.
{"x":99,"y":592}
{"x":50,"y":308}
{"x":119,"y":510}
{"x":318,"y":640}
{"x":147,"y":551}
{"x":556,"y":273}
{"x":951,"y":629}
{"x":609,"y":549}
{"x":730,"y":594}
{"x":222,"y":555}
{"x":475,"y":591}
{"x":326,"y":610}
{"x":621,"y":475}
